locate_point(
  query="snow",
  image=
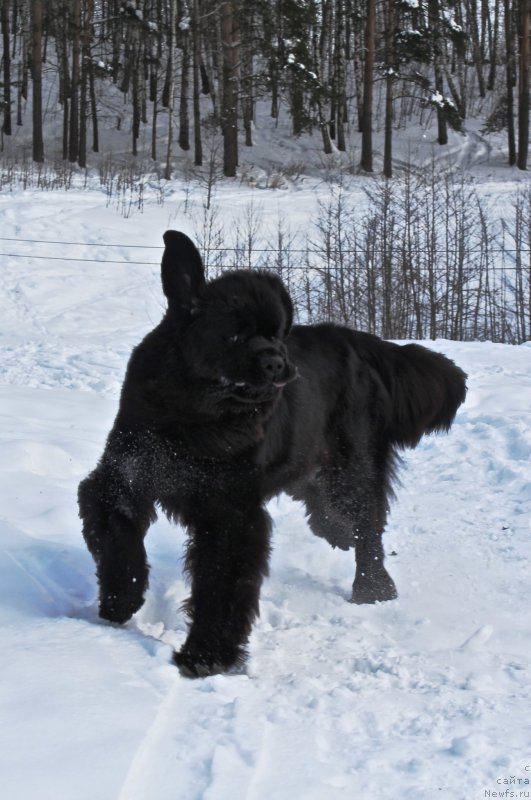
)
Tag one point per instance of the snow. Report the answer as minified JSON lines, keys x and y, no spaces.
{"x":427,"y":696}
{"x":451,"y":22}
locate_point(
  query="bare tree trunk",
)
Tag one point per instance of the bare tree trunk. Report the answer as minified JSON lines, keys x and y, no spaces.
{"x":85,"y":67}
{"x":135,"y":81}
{"x":433,"y":15}
{"x":321,"y":47}
{"x":154,"y":130}
{"x":196,"y":33}
{"x":358,"y":77}
{"x":6,"y":125}
{"x":22,"y":21}
{"x":116,"y":39}
{"x":247,"y":77}
{"x":493,"y":45}
{"x":389,"y":86}
{"x":460,"y":96}
{"x":26,"y":52}
{"x":36,"y":60}
{"x":509,"y":62}
{"x":339,"y":55}
{"x":65,"y":82}
{"x":472,"y":13}
{"x":519,"y":291}
{"x":523,"y":83}
{"x":73,"y":141}
{"x":154,"y":86}
{"x":184,"y":119}
{"x":274,"y":60}
{"x":368,"y":85}
{"x":94,"y":110}
{"x":82,"y":148}
{"x":171,"y":56}
{"x":230,"y":35}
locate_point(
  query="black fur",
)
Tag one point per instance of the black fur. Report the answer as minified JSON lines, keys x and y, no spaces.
{"x":224,"y":405}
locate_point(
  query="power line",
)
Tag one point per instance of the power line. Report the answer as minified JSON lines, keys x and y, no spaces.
{"x":87,"y":244}
{"x":287,"y":267}
{"x":323,"y":252}
{"x":87,"y":260}
{"x":309,"y":251}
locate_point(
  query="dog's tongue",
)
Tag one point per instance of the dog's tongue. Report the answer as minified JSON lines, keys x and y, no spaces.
{"x":279,"y":385}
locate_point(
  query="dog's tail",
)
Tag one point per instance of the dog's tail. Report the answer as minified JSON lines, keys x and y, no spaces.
{"x":424,"y":389}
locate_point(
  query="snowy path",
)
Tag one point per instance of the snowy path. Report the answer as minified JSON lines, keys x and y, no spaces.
{"x":425,"y":697}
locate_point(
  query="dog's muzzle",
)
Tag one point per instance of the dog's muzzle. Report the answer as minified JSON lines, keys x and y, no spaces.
{"x":273,"y":367}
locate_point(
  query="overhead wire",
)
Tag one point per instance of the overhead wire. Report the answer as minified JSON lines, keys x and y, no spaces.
{"x":309,"y":250}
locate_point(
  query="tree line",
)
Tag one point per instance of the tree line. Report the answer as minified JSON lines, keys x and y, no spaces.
{"x":424,"y":257}
{"x":203,"y":65}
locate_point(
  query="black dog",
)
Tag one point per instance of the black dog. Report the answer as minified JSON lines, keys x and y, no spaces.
{"x":224,"y":405}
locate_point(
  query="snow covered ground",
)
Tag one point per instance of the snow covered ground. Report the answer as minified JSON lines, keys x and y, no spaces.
{"x":425,"y":697}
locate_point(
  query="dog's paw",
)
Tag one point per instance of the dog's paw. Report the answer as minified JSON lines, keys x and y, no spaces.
{"x":193,"y":665}
{"x":197,"y":663}
{"x":373,"y":589}
{"x":118,"y":609}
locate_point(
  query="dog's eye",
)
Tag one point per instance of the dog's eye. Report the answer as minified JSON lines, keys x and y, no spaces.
{"x":236,"y":339}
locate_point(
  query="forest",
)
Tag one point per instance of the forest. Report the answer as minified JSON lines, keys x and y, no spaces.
{"x":191,"y":69}
{"x":155,"y":94}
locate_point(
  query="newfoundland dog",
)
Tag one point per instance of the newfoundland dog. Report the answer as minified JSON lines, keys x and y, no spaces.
{"x":224,"y":405}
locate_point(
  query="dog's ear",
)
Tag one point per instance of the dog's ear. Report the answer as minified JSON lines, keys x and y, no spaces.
{"x":182,"y":272}
{"x":281,"y":290}
{"x":288,"y":307}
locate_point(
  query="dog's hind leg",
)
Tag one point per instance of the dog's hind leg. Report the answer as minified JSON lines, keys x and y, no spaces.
{"x":349,"y":510}
{"x":115,"y":521}
{"x":372,"y":583}
{"x":227,"y":559}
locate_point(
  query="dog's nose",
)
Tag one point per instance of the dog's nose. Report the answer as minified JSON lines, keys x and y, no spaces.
{"x":272,"y":365}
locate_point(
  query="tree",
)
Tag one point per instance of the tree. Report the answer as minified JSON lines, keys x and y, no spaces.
{"x":368,"y":85}
{"x":524,"y":13}
{"x":36,"y":68}
{"x":73,"y":135}
{"x":323,"y":62}
{"x":184,"y":118}
{"x":389,"y":86}
{"x":196,"y":36}
{"x":478,"y":50}
{"x":493,"y":25}
{"x":339,"y":102}
{"x":509,"y":80}
{"x":6,"y":125}
{"x":86,"y":68}
{"x":62,"y":37}
{"x":434,"y":22}
{"x":171,"y":87}
{"x":230,"y":41}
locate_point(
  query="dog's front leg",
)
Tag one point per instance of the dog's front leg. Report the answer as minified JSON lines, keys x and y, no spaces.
{"x":115,"y":520}
{"x":227,"y":559}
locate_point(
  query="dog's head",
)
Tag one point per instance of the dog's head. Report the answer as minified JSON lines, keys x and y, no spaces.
{"x":233,"y":328}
